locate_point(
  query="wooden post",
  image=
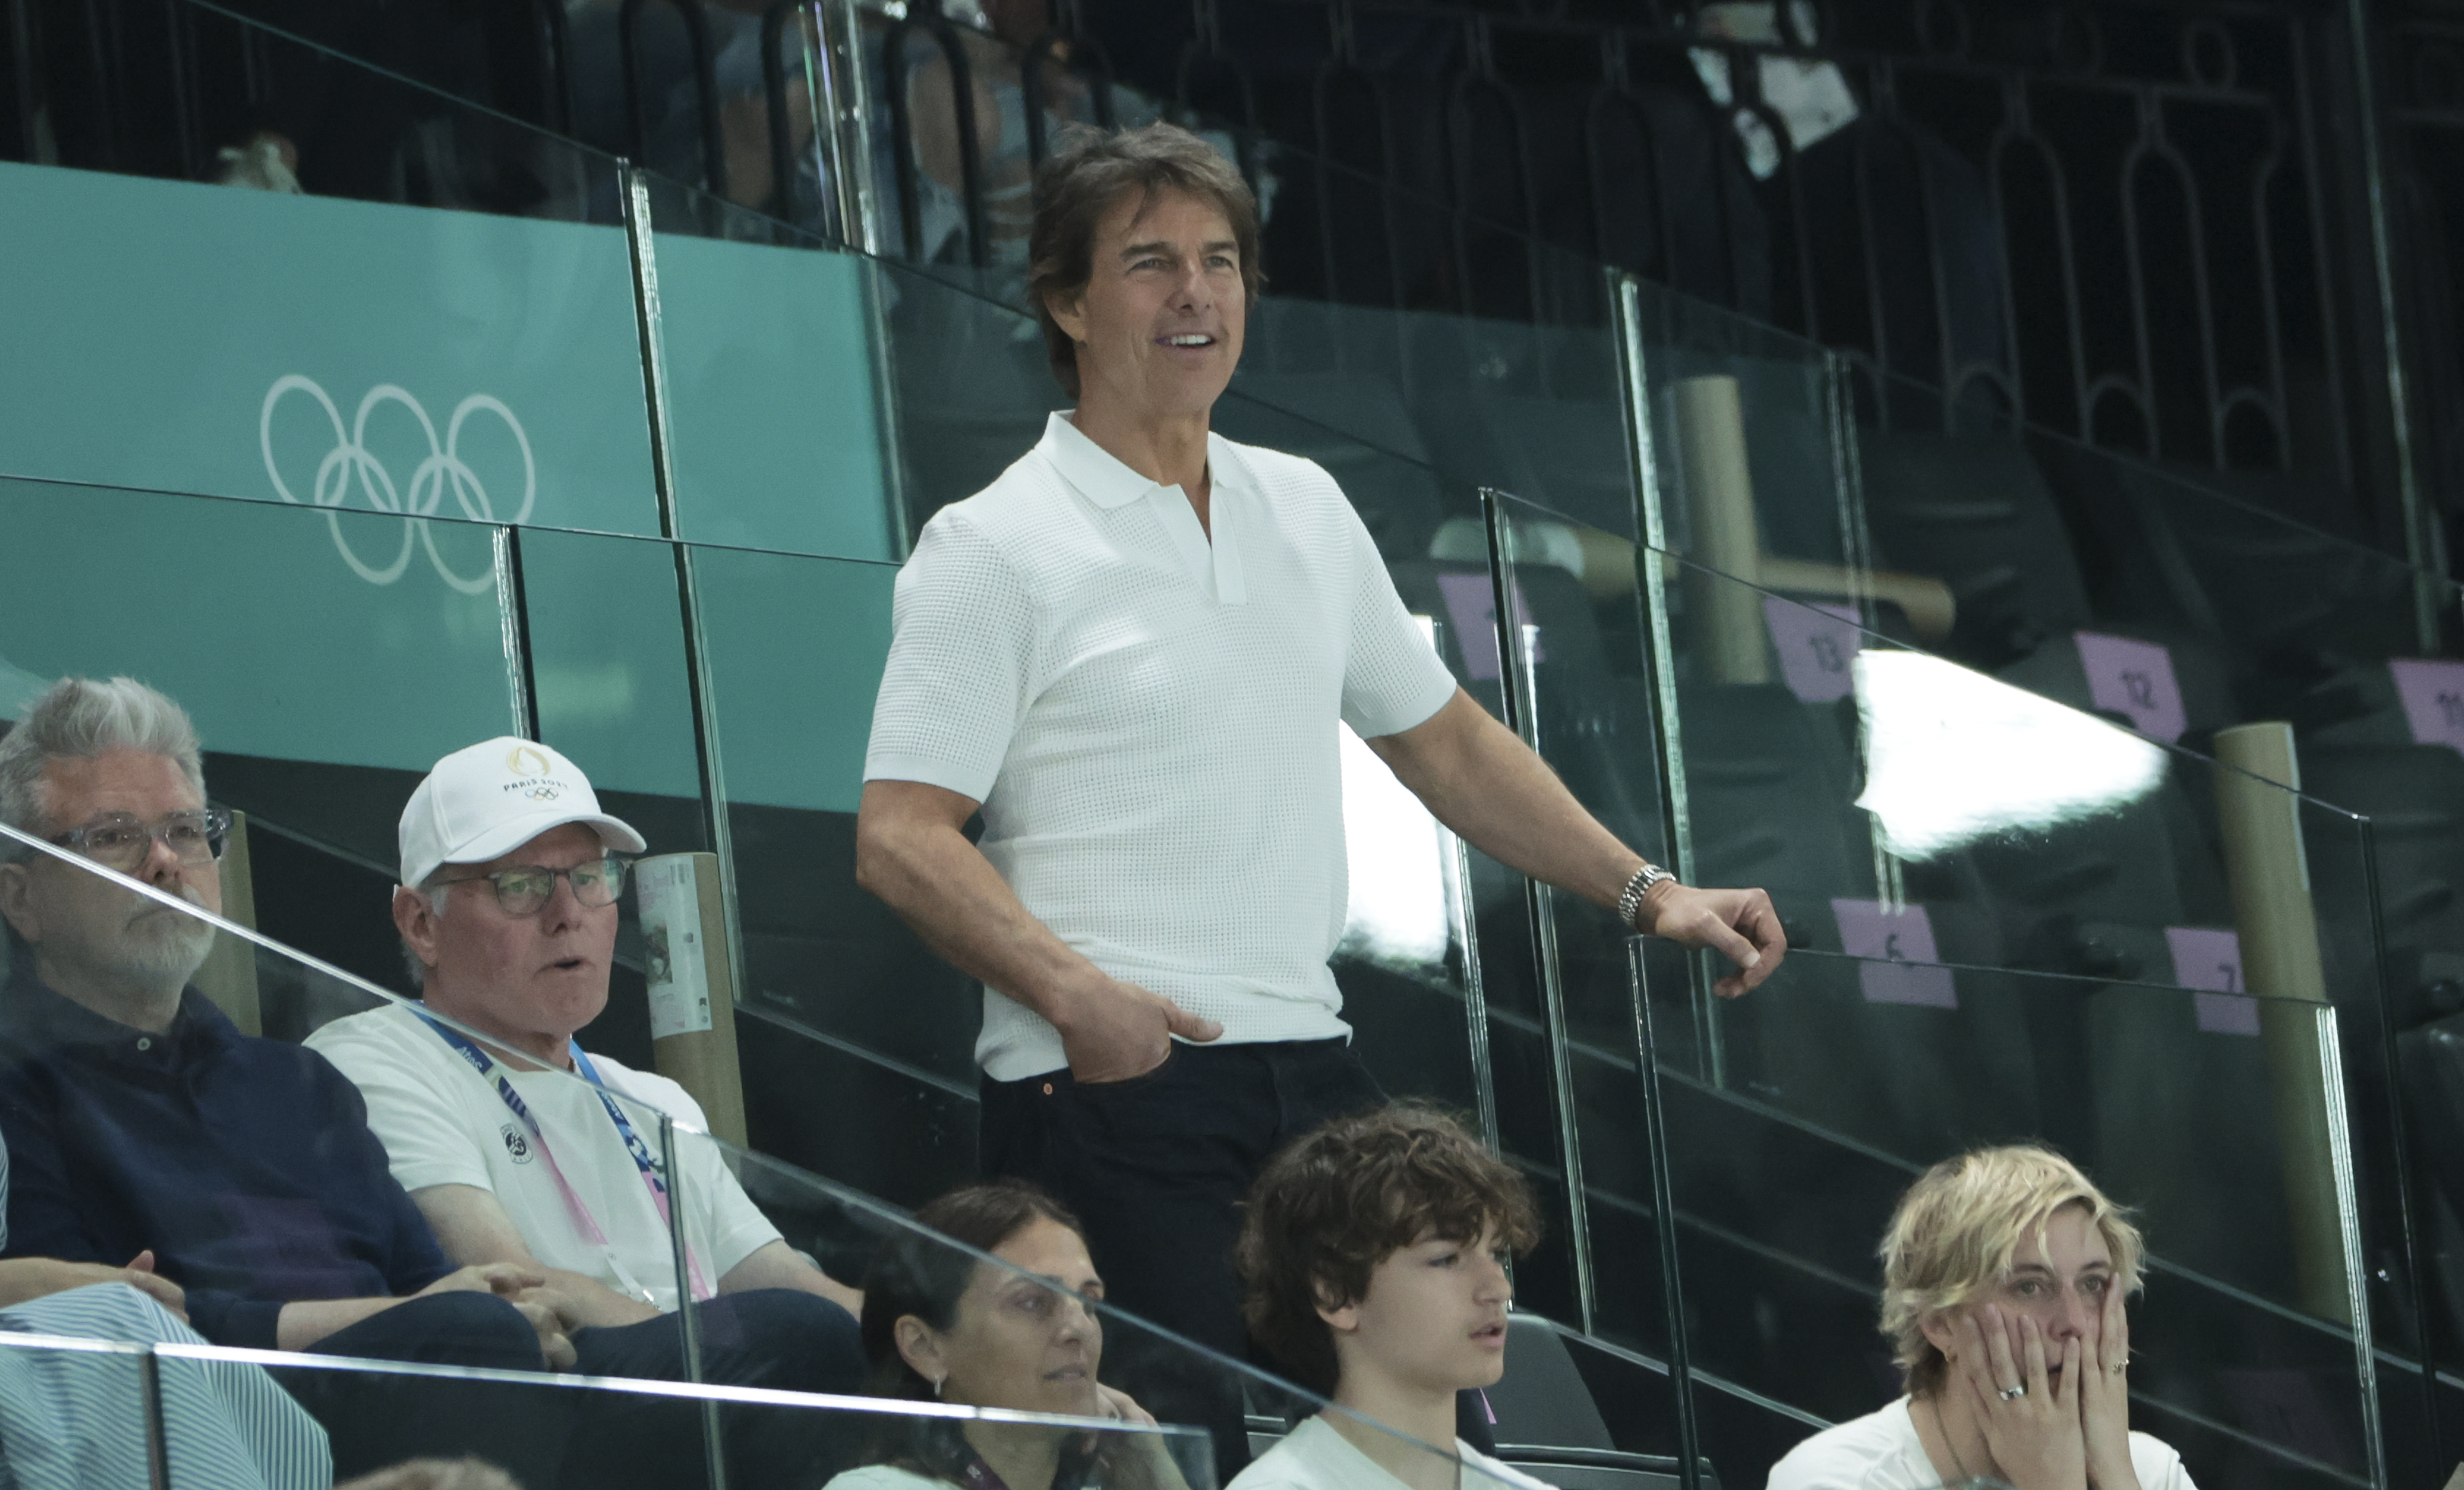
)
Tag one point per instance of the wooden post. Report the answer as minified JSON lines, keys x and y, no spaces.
{"x":228,"y":977}
{"x":1720,"y":500}
{"x":693,"y":997}
{"x":2277,"y":925}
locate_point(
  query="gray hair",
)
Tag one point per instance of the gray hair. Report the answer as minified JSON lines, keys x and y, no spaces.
{"x":78,"y":719}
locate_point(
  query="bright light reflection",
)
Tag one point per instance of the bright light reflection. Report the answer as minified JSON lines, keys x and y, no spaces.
{"x":1397,"y":911}
{"x":1952,"y":757}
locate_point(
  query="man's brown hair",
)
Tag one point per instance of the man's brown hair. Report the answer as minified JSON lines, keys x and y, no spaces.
{"x":1088,"y":170}
{"x":1340,"y":1200}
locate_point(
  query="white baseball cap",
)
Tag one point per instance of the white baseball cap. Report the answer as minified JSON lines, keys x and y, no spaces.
{"x":493,"y":798}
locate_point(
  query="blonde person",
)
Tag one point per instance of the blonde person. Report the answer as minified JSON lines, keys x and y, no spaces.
{"x":2005,"y":1273}
{"x":941,"y":1326}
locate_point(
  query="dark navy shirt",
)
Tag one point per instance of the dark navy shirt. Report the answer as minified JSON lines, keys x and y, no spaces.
{"x":246,"y":1164}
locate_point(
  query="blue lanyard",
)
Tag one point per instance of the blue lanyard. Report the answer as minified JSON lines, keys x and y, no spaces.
{"x":643,"y":1162}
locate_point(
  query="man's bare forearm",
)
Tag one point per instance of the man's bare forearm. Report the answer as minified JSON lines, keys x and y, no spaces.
{"x":1480,"y":781}
{"x":921,"y":865}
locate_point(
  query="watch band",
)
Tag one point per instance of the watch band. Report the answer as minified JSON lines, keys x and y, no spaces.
{"x":1630,"y":902}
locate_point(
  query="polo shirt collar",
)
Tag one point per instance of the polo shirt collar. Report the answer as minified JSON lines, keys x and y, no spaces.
{"x":1101,"y":479}
{"x":31,"y":1013}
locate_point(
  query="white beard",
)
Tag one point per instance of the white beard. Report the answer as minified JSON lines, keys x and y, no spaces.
{"x":163,"y":949}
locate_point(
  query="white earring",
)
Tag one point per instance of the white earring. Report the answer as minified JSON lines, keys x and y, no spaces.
{"x":937,"y":1386}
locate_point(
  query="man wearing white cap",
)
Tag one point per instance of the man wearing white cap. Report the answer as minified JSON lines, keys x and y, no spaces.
{"x":520,"y":1147}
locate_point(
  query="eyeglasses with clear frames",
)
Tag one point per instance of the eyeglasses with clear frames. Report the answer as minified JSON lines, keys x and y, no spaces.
{"x":121,"y":840}
{"x":524,"y":888}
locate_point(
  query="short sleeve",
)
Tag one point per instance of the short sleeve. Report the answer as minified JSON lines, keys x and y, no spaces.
{"x":1393,"y":678}
{"x":738,"y":1228}
{"x":961,"y":653}
{"x":426,"y":1141}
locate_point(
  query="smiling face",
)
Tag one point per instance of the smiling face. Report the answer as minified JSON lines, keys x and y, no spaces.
{"x":1433,"y":1319}
{"x":2061,"y":1282}
{"x":1159,"y":326}
{"x":88,"y":932}
{"x":1028,"y":1342}
{"x":534,"y":979}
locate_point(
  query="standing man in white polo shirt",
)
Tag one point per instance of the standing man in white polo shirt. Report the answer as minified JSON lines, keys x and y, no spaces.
{"x":1130,"y":652}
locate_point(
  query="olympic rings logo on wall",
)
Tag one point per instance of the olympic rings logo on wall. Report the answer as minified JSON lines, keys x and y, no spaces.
{"x":349,"y":463}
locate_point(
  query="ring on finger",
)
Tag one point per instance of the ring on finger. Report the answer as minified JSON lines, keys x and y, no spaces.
{"x":2012,"y":1394}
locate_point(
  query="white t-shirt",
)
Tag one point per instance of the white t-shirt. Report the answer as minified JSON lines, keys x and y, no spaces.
{"x":1149,"y":719}
{"x":1880,"y":1451}
{"x":1315,"y":1457}
{"x":441,"y":1123}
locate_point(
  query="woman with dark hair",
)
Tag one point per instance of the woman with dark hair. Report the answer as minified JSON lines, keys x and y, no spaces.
{"x":940,"y":1326}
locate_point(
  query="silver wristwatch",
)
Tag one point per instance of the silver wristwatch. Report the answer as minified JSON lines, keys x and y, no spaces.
{"x":1630,"y":902}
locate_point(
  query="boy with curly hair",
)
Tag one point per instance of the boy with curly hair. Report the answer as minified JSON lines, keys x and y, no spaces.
{"x":1374,"y":1252}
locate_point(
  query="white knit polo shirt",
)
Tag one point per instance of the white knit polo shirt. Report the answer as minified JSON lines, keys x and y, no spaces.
{"x":1149,"y":719}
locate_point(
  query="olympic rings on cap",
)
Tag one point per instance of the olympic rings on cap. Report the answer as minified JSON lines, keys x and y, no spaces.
{"x":350,"y":460}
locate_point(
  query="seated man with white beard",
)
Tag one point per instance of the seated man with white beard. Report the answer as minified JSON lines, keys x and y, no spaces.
{"x":139,"y":1118}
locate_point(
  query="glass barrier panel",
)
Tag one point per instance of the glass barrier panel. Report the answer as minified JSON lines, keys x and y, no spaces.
{"x":1842,"y":769}
{"x":611,"y":671}
{"x":394,"y":1422}
{"x":360,"y":348}
{"x":777,"y":380}
{"x":324,"y":656}
{"x":1753,"y":466}
{"x":1529,"y":404}
{"x":75,"y":1405}
{"x":2240,"y":594}
{"x":316,"y":1210}
{"x":1956,"y":837}
{"x":1780,"y":1184}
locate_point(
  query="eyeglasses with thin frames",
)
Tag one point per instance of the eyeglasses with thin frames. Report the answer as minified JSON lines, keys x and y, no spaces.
{"x":522,"y":889}
{"x":122,"y":841}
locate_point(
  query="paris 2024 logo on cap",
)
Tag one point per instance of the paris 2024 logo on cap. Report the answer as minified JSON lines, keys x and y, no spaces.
{"x":530,"y":767}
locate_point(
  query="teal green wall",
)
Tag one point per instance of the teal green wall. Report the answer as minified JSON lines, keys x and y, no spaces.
{"x":148,"y":322}
{"x":776,"y":426}
{"x":797,"y":647}
{"x":241,"y":611}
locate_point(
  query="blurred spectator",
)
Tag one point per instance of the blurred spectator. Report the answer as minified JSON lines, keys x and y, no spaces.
{"x":63,"y":1420}
{"x":941,"y":1326}
{"x":994,"y":36}
{"x":267,"y":163}
{"x":672,"y":138}
{"x":1374,"y":1253}
{"x":2004,"y":1279}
